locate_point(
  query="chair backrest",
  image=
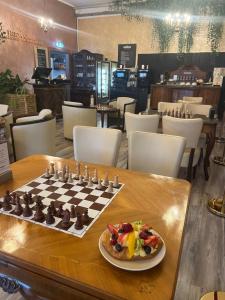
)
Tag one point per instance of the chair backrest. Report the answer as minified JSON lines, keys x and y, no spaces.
{"x":3,"y":109}
{"x":37,"y":137}
{"x":155,"y":153}
{"x":73,"y":116}
{"x":198,"y":109}
{"x":45,"y":113}
{"x":72,"y":103}
{"x":126,"y":104}
{"x":197,"y":100}
{"x":8,"y":120}
{"x":169,"y":106}
{"x":146,"y":123}
{"x":96,"y":145}
{"x":188,"y":128}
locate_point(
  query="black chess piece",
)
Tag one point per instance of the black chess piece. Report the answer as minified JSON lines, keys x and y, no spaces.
{"x":39,"y":203}
{"x":60,"y":211}
{"x":13,"y":198}
{"x":27,"y":211}
{"x":72,"y":211}
{"x":6,"y":202}
{"x":52,"y":206}
{"x":86,"y":218}
{"x":31,"y":201}
{"x":65,"y":224}
{"x":49,"y":217}
{"x":18,"y":208}
{"x":39,"y":215}
{"x":79,"y":222}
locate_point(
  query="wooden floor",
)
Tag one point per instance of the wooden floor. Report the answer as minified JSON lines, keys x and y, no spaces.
{"x":202,"y":266}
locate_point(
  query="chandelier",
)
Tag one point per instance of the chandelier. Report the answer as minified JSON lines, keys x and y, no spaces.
{"x":177,"y":18}
{"x":46,"y":23}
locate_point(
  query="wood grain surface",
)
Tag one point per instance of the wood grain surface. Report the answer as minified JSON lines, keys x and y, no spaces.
{"x":64,"y":262}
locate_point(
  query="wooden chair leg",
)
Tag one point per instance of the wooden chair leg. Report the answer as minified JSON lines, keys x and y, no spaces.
{"x":200,"y":157}
{"x":190,"y":163}
{"x":194,"y":171}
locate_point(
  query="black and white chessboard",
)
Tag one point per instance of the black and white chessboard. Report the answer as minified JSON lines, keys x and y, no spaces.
{"x":82,"y":197}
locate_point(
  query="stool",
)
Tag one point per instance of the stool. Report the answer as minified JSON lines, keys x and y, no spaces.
{"x":214,"y":296}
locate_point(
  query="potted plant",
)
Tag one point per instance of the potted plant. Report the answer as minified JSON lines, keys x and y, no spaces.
{"x":14,"y":94}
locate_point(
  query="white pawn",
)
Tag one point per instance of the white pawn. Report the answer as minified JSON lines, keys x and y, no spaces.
{"x":86,"y":173}
{"x":116,"y":182}
{"x":95,"y":177}
{"x":90,"y":184}
{"x":80,"y":180}
{"x":70,"y":179}
{"x":110,"y":188}
{"x":99,"y":186}
{"x":56,"y":175}
{"x":47,"y":174}
{"x":77,"y":175}
{"x":52,"y":169}
{"x":106,"y":180}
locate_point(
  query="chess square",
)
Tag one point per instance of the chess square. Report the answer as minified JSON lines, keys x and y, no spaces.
{"x":70,"y":193}
{"x":46,"y":201}
{"x":54,"y":196}
{"x":40,"y":179}
{"x":42,"y":186}
{"x":26,"y":189}
{"x":85,"y":203}
{"x":58,"y":184}
{"x":67,"y":186}
{"x":77,"y":188}
{"x":86,"y":190}
{"x":44,"y":193}
{"x":81,"y":195}
{"x":35,"y":191}
{"x":33,"y":184}
{"x":93,"y":213}
{"x":49,"y":181}
{"x":51,"y":189}
{"x":102,"y":200}
{"x":57,"y":203}
{"x":107,"y":195}
{"x":64,"y":198}
{"x":57,"y":220}
{"x":75,"y":231}
{"x":96,"y":193}
{"x":91,"y":198}
{"x":97,"y":206}
{"x":59,"y":226}
{"x":61,"y":191}
{"x":75,"y":201}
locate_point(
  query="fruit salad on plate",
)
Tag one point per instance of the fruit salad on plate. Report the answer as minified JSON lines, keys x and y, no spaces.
{"x":131,"y":241}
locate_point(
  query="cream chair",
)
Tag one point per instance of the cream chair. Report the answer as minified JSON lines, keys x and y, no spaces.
{"x":3,"y":109}
{"x":169,"y":106}
{"x":124,"y":104}
{"x":36,"y":137}
{"x":44,"y":113}
{"x":96,"y":145}
{"x":156,"y":153}
{"x":72,"y":103}
{"x":193,"y":100}
{"x":198,"y":109}
{"x":146,"y":123}
{"x":73,"y":116}
{"x":191,"y":130}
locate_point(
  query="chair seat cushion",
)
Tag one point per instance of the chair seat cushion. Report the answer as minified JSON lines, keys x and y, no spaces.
{"x":186,"y":155}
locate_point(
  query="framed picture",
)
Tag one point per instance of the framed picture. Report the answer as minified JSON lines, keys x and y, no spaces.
{"x":41,"y":57}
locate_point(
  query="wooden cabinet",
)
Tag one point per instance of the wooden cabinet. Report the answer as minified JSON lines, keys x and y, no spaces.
{"x":173,"y":93}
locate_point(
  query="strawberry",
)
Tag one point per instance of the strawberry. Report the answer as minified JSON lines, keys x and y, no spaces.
{"x":122,"y":239}
{"x":112,"y":229}
{"x":152,"y":241}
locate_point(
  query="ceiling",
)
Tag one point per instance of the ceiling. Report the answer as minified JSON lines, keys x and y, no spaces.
{"x":86,"y":3}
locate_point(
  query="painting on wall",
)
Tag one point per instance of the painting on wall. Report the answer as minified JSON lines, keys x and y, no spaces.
{"x":41,"y":57}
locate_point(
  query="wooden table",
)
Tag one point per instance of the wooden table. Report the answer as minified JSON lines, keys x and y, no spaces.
{"x":59,"y":266}
{"x":106,"y":110}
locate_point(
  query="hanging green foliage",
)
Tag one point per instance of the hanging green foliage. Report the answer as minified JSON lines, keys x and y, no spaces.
{"x":207,"y":11}
{"x":2,"y":34}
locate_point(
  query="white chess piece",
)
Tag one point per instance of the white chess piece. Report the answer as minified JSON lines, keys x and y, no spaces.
{"x":95,"y":177}
{"x":116,"y":182}
{"x":52,"y":168}
{"x":80,"y":180}
{"x":77,"y":175}
{"x":106,"y":180}
{"x":99,"y":186}
{"x":56,"y":175}
{"x":86,"y":173}
{"x":110,"y":188}
{"x":90,"y":184}
{"x":70,"y":179}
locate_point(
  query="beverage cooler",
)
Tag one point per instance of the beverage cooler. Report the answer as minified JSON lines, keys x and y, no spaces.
{"x":103,"y":81}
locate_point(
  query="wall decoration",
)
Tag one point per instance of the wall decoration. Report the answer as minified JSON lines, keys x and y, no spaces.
{"x":2,"y":34}
{"x":127,"y":55}
{"x":41,"y":57}
{"x":168,"y":20}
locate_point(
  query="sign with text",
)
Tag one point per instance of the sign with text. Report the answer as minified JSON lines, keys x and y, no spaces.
{"x":127,"y":55}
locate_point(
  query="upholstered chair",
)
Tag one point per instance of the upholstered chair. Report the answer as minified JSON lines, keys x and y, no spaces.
{"x":194,"y":100}
{"x":198,"y":109}
{"x":73,"y":116}
{"x":146,"y":123}
{"x":44,"y":113}
{"x":96,"y":145}
{"x":155,"y":153}
{"x":34,"y":137}
{"x":169,"y":106}
{"x":72,"y":103}
{"x":124,"y":104}
{"x":191,"y":130}
{"x":3,"y":109}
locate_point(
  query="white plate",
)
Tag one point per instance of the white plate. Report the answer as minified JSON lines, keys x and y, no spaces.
{"x":137,"y":265}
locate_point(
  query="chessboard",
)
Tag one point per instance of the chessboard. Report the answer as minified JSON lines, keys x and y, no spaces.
{"x":70,"y":204}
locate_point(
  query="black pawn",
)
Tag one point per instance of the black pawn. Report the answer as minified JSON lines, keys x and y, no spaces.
{"x":26,"y":198}
{"x":60,"y":211}
{"x":18,"y":208}
{"x":66,"y":220}
{"x":79,"y":222}
{"x":6,"y":202}
{"x":49,"y":217}
{"x":52,"y":206}
{"x":86,"y":218}
{"x":39,"y":215}
{"x":27,"y":211}
{"x":13,"y":198}
{"x":39,"y":203}
{"x":72,"y":211}
{"x":31,"y":201}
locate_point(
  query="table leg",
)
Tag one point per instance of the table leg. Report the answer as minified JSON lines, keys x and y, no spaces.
{"x":211,"y":135}
{"x":102,"y":118}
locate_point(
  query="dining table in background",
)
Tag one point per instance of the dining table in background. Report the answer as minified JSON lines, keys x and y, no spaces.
{"x":54,"y":265}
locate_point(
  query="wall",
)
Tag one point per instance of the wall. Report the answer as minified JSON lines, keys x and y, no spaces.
{"x":103,"y":34}
{"x":21,"y":16}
